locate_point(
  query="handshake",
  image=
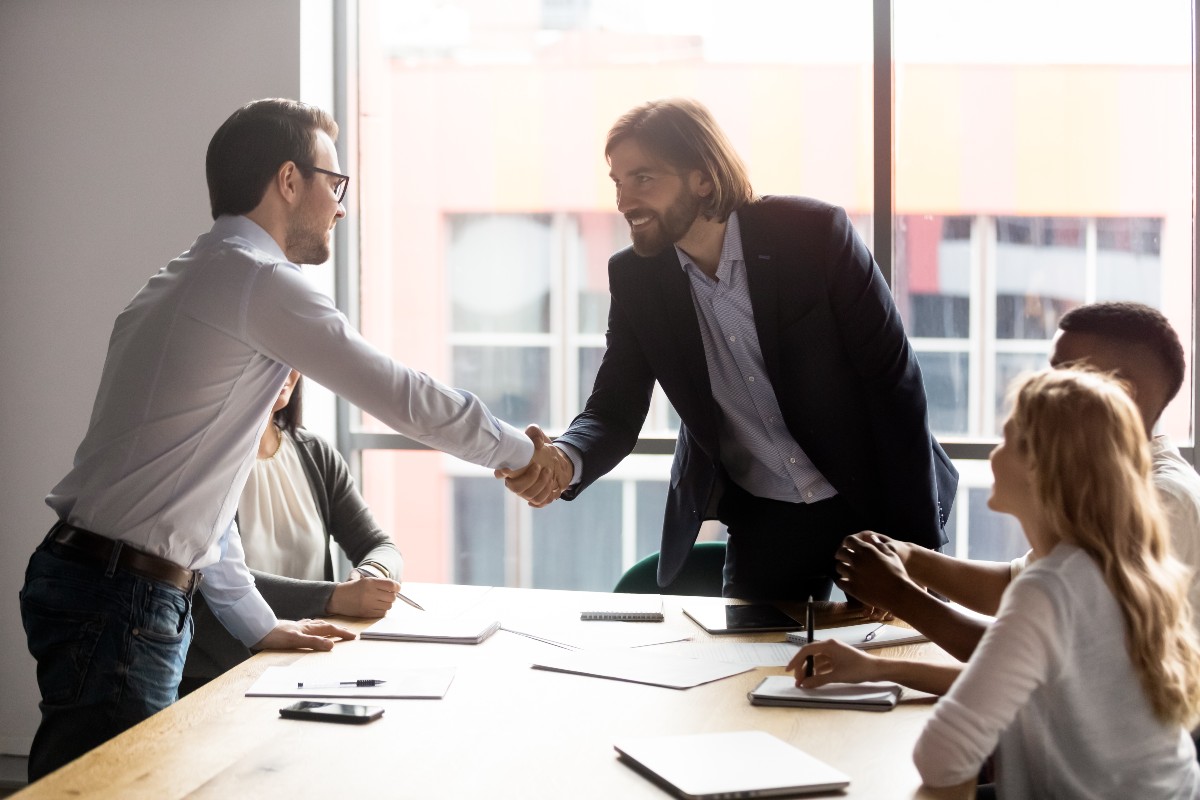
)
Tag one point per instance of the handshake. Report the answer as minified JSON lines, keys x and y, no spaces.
{"x":545,"y":477}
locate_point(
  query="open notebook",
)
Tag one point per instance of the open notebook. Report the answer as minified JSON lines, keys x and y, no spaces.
{"x":722,"y":766}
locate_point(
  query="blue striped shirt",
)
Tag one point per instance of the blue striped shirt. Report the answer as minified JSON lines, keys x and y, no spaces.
{"x":757,"y":450}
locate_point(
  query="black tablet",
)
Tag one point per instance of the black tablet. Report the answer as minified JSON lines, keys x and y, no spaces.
{"x":749,"y":618}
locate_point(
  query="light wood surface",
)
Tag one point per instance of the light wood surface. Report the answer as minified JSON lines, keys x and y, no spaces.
{"x":503,"y":729}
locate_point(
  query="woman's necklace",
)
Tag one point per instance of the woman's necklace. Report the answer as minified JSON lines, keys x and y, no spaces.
{"x":278,"y":442}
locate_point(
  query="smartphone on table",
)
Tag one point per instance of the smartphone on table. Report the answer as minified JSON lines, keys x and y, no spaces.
{"x":326,"y":711}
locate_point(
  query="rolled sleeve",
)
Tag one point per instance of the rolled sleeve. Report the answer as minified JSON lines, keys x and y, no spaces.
{"x":228,"y":588}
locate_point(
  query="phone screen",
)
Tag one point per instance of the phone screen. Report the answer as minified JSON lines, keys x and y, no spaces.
{"x":331,"y":712}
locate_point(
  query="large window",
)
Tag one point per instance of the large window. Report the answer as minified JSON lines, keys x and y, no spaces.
{"x":1031,"y":172}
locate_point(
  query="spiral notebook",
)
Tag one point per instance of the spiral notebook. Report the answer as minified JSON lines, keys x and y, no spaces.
{"x":626,"y":608}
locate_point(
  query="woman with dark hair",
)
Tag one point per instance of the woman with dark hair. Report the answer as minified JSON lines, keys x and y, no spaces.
{"x":298,"y":497}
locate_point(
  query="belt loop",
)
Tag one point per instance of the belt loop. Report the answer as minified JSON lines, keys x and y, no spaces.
{"x":112,"y":559}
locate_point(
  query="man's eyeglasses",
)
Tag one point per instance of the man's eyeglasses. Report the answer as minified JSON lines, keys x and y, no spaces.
{"x":339,"y":188}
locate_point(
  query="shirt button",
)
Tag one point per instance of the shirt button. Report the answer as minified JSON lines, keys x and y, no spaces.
{"x":751,"y":379}
{"x":808,"y":495}
{"x":792,"y":460}
{"x":733,"y":338}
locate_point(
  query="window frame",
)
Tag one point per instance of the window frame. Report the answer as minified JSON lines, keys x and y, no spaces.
{"x":351,"y":442}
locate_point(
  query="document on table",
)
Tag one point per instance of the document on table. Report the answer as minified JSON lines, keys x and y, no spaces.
{"x":595,"y":635}
{"x":760,"y":654}
{"x":673,"y":672}
{"x":297,"y":680}
{"x":428,"y":627}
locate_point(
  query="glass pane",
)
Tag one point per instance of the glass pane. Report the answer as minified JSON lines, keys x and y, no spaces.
{"x":934,"y":254}
{"x":946,"y":378}
{"x":512,"y":381}
{"x":479,"y":531}
{"x":994,"y":537}
{"x":577,"y":545}
{"x":589,"y":365}
{"x":600,"y":235}
{"x":484,"y":253}
{"x":1009,"y":367}
{"x":1038,"y":167}
{"x":651,"y":501}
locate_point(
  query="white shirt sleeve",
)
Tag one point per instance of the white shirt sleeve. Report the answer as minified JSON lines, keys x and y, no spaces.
{"x":1018,"y":653}
{"x":228,"y":588}
{"x":291,"y":322}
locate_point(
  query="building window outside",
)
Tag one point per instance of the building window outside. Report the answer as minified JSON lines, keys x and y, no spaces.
{"x":493,"y":276}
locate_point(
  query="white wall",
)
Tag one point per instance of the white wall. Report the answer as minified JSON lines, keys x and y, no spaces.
{"x":106,"y":109}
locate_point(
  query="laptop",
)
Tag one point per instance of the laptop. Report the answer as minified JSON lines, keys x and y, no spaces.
{"x":728,"y":766}
{"x":748,"y":618}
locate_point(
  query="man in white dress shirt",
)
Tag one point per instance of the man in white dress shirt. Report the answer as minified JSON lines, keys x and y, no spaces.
{"x":194,"y":363}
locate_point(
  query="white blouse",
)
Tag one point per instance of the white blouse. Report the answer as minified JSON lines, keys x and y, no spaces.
{"x":282,"y":532}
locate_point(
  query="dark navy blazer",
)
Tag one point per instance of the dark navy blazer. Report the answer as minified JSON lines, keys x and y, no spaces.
{"x":844,"y":373}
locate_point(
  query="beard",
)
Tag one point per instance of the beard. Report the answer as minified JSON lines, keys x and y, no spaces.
{"x":306,"y":241}
{"x":664,"y":230}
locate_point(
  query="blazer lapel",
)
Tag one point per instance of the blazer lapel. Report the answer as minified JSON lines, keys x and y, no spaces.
{"x":683,"y":327}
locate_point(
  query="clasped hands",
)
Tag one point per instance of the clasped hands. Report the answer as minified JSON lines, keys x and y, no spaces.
{"x":545,"y":477}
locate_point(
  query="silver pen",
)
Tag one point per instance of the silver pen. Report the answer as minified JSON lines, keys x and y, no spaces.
{"x":410,"y":601}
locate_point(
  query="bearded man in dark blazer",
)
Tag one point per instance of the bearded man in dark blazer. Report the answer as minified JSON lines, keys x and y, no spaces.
{"x":772,"y":332}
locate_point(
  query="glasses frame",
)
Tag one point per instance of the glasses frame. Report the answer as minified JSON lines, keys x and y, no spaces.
{"x":343,"y":184}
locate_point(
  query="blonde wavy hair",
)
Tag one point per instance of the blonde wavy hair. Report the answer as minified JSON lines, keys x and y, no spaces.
{"x":1091,"y":474}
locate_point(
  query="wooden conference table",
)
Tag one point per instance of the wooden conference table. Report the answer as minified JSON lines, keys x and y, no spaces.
{"x":502,"y":730}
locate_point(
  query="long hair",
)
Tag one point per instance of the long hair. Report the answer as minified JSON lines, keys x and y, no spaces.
{"x":1092,"y":479}
{"x":684,"y":134}
{"x":291,"y":416}
{"x":250,"y":147}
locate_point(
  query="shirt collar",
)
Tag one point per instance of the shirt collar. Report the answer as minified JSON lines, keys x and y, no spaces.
{"x":731,"y":250}
{"x":229,"y":226}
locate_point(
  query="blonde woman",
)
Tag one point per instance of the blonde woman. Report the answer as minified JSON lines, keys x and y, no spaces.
{"x":1087,"y":681}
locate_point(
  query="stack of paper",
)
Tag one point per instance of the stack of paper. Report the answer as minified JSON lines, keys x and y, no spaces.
{"x":781,"y":690}
{"x":672,"y":672}
{"x":432,"y":628}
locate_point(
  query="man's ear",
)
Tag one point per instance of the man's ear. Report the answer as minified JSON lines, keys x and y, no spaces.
{"x":287,"y":182}
{"x":700,"y":183}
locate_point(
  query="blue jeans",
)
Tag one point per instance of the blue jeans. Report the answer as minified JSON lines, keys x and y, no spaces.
{"x":109,"y":647}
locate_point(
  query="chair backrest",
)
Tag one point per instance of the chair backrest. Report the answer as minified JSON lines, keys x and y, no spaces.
{"x":701,"y":575}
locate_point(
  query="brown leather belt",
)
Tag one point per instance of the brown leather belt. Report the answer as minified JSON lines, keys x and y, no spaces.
{"x":100,"y":548}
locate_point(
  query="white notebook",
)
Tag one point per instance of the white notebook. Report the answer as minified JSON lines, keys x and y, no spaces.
{"x":781,"y":690}
{"x":673,"y":672}
{"x":432,"y":628}
{"x":857,"y":635}
{"x":722,"y":766}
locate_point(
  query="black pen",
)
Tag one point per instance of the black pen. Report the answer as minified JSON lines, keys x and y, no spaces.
{"x":341,"y":684}
{"x":808,"y":662}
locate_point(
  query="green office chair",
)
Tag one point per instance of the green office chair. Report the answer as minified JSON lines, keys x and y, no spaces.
{"x":701,"y":573}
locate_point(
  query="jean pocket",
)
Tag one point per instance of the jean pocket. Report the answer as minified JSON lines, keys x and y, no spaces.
{"x":163,"y":615}
{"x":63,"y":642}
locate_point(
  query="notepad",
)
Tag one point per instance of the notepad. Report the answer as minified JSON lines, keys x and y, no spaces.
{"x":398,"y":684}
{"x":626,"y":608}
{"x":781,"y":690}
{"x":736,"y":764}
{"x":856,"y":636}
{"x":428,"y":627}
